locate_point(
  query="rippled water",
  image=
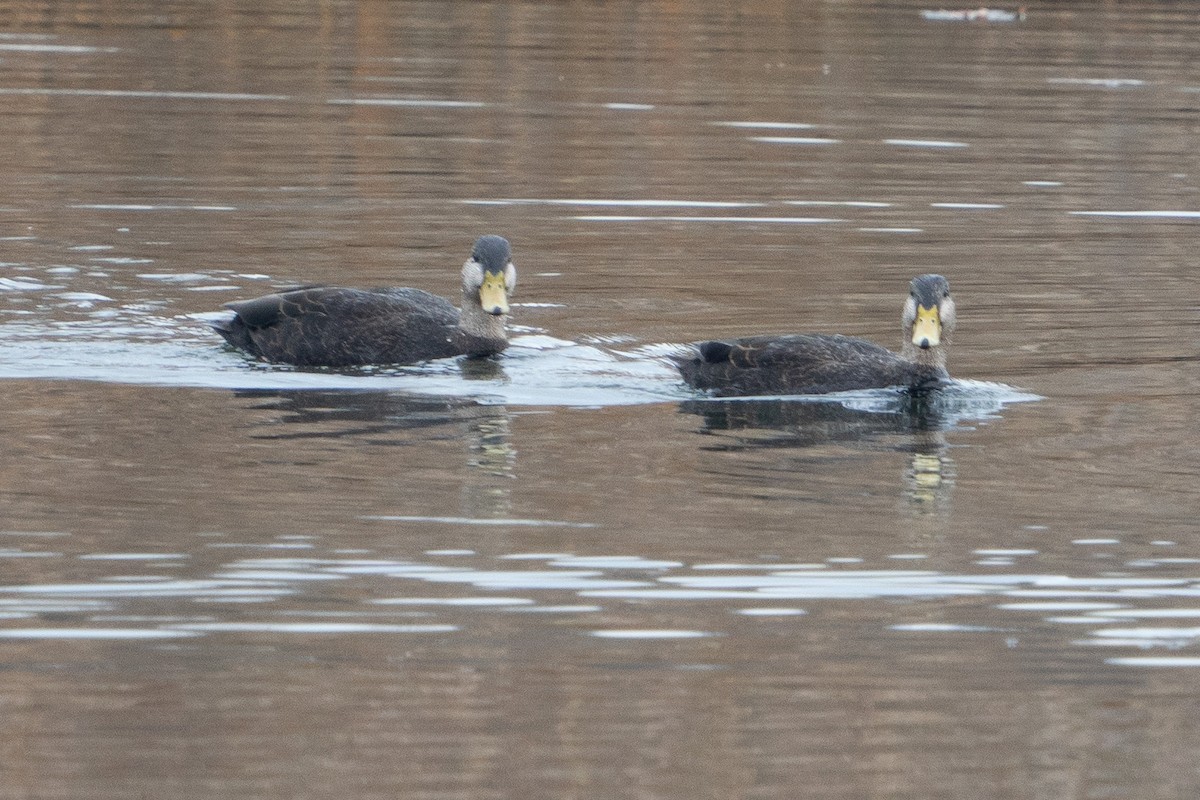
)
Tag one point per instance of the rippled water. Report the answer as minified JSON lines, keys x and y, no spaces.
{"x":561,"y":573}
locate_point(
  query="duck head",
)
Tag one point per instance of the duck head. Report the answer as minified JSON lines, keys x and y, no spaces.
{"x":928,"y":312}
{"x":489,"y":276}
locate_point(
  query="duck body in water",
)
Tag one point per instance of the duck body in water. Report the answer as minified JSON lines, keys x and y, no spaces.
{"x":328,"y":326}
{"x":816,"y":363}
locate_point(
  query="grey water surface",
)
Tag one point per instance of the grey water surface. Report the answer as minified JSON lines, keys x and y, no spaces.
{"x":561,"y":573}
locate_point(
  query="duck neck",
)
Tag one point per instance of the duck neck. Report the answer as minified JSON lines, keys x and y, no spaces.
{"x":927,"y":360}
{"x":480,"y":333}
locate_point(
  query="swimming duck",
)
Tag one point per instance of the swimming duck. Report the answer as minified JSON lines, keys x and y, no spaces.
{"x":330,"y":326}
{"x":814,"y":363}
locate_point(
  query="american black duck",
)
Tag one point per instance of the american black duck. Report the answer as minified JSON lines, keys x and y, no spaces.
{"x":329,"y":326}
{"x":813,"y":363}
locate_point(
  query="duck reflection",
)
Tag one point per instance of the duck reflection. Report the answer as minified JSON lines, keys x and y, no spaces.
{"x":774,"y":422}
{"x":339,"y":414}
{"x":392,"y":419}
{"x":482,"y":369}
{"x":912,"y":424}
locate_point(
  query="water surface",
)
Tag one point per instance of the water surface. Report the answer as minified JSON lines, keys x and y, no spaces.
{"x":561,"y":572}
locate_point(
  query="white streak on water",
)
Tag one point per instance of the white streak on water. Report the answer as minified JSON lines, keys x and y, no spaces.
{"x":149,"y":588}
{"x":772,"y":612}
{"x":149,"y":207}
{"x":651,"y":634}
{"x":83,"y":297}
{"x":56,"y":48}
{"x":786,"y":220}
{"x":143,"y":94}
{"x":23,"y":285}
{"x":532,"y":523}
{"x":99,"y":634}
{"x":1180,"y":635}
{"x":275,"y":576}
{"x":1139,"y":214}
{"x":1154,"y":613}
{"x":1082,"y":605}
{"x":847,"y":203}
{"x":766,"y":125}
{"x":732,"y":566}
{"x":405,"y":102}
{"x":944,"y":627}
{"x":131,"y":556}
{"x":1107,"y":83}
{"x":672,"y":594}
{"x":310,"y":627}
{"x":795,"y":140}
{"x":481,"y":602}
{"x":932,"y":143}
{"x":534,"y":556}
{"x":615,"y":562}
{"x":1156,"y":661}
{"x":632,"y":203}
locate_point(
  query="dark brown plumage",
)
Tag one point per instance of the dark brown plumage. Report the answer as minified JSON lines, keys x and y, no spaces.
{"x":340,"y":327}
{"x":821,"y":363}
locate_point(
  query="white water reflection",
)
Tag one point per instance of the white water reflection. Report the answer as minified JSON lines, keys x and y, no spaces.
{"x":139,"y":93}
{"x":99,"y":634}
{"x":1139,"y":214}
{"x":795,"y":140}
{"x":929,"y":143}
{"x":151,"y":207}
{"x":677,"y":218}
{"x":1104,"y":83}
{"x":446,"y":596}
{"x":1187,"y":662}
{"x":308,"y":628}
{"x":72,"y":49}
{"x":407,"y":102}
{"x":502,"y":521}
{"x":632,"y":203}
{"x":753,"y":125}
{"x":651,"y":634}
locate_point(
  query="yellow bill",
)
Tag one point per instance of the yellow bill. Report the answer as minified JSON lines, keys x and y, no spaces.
{"x":927,"y":330}
{"x":493,"y":295}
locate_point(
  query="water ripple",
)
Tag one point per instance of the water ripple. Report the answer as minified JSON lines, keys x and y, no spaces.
{"x":1110,"y":606}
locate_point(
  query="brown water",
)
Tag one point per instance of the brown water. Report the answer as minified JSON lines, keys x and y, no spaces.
{"x":562,"y":574}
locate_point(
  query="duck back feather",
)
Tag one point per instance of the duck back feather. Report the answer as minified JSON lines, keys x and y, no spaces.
{"x":798,"y":364}
{"x":338,"y":327}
